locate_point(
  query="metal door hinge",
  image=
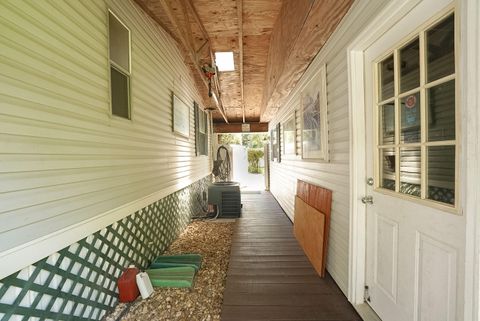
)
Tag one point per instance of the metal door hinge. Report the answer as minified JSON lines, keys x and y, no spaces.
{"x":366,"y":294}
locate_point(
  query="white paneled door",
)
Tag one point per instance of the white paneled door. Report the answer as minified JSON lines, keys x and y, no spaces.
{"x":415,"y":228}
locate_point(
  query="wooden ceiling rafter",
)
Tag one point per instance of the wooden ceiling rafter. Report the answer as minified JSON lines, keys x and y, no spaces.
{"x":188,"y":30}
{"x":216,"y":93}
{"x":240,"y":58}
{"x":188,"y":45}
{"x":198,"y":20}
{"x":215,"y":79}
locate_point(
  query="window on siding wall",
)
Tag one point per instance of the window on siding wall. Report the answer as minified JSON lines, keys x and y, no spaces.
{"x":201,"y":131}
{"x":119,"y":48}
{"x":416,"y":106}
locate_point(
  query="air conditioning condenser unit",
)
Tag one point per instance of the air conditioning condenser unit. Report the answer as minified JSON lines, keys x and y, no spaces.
{"x":225,"y":196}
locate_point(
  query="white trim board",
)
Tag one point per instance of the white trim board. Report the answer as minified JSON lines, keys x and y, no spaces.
{"x":21,"y":256}
{"x":470,"y":115}
{"x":390,"y":15}
{"x":469,"y":80}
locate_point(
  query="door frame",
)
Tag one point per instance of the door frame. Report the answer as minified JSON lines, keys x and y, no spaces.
{"x":469,"y":11}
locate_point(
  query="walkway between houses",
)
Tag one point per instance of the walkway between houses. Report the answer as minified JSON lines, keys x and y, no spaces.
{"x":270,"y":278}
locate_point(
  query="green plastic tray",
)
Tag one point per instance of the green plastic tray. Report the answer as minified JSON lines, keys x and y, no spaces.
{"x":173,"y":277}
{"x":164,"y":261}
{"x":163,"y":265}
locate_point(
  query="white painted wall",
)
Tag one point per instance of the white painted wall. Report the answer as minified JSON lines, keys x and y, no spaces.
{"x":334,"y":174}
{"x":67,"y":167}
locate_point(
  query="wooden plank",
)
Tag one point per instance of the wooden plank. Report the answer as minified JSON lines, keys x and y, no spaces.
{"x":283,"y":299}
{"x":240,"y":52}
{"x":269,"y":264}
{"x":267,"y":252}
{"x":273,"y":271}
{"x":256,"y":258}
{"x":282,"y":288}
{"x":277,"y":312}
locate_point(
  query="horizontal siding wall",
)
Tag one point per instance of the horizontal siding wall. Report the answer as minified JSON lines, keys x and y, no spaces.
{"x":64,"y":159}
{"x":334,"y":174}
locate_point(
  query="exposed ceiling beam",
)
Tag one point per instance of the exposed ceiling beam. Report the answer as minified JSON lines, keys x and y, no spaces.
{"x":301,"y":30}
{"x":198,"y":20}
{"x":237,"y":128}
{"x":216,"y":93}
{"x":240,"y":46}
{"x":188,"y":30}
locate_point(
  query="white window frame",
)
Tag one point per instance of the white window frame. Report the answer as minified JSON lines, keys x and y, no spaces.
{"x":291,"y":118}
{"x":113,"y":64}
{"x":420,"y":33}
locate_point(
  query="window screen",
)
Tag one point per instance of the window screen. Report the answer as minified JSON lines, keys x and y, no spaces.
{"x":201,"y":131}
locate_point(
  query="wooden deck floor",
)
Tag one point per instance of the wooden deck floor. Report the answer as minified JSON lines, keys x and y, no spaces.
{"x":270,"y":278}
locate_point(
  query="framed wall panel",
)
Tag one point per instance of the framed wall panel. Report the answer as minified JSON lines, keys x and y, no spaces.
{"x":181,"y":117}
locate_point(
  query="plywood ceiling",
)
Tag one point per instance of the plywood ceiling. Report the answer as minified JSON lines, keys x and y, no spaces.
{"x":273,"y":42}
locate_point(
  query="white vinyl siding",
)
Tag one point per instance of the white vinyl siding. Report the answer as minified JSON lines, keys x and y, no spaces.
{"x":64,"y":159}
{"x":334,"y":174}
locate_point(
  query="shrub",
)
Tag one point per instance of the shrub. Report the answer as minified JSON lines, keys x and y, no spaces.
{"x":254,"y":156}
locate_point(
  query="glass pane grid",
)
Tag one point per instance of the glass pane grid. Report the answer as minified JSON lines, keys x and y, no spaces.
{"x":416,"y":152}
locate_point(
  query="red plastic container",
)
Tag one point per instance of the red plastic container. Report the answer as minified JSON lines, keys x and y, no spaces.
{"x":127,"y":285}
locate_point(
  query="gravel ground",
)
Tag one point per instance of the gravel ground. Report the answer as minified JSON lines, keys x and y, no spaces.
{"x":203,"y":303}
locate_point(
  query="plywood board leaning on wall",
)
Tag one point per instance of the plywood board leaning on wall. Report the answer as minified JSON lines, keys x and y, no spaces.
{"x":309,"y":230}
{"x":312,"y":222}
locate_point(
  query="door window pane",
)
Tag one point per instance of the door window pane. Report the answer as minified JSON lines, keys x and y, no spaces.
{"x":441,"y":50}
{"x":441,"y":109}
{"x":387,"y":170}
{"x":386,"y":79}
{"x":410,"y":171}
{"x":387,"y":124}
{"x":416,"y":115}
{"x":410,"y":66}
{"x":410,"y":116}
{"x":441,"y":174}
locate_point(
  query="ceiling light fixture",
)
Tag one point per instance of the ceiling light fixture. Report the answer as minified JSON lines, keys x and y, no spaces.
{"x":224,"y":61}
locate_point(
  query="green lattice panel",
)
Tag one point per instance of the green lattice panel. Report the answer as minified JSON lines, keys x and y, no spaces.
{"x":79,"y":282}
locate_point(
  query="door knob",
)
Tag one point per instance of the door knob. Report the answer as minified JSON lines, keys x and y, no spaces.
{"x":367,"y":200}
